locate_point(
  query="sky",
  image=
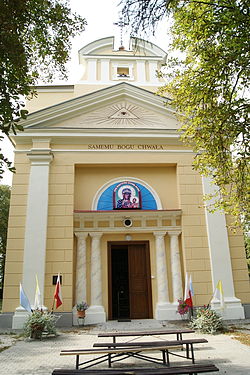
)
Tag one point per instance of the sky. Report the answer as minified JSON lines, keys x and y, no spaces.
{"x":101,"y":16}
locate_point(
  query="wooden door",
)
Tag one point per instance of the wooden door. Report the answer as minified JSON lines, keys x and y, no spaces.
{"x":139,"y":281}
{"x":137,"y":290}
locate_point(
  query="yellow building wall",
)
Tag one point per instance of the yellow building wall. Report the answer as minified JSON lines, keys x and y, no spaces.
{"x":73,"y":182}
{"x":16,"y":232}
{"x":239,"y":264}
{"x":89,"y":179}
{"x":194,"y":233}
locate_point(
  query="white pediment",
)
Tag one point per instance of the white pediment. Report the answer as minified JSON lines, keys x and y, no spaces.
{"x":122,"y":106}
{"x":121,"y":115}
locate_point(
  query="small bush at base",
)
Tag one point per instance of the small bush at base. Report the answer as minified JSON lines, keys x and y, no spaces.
{"x":207,"y":321}
{"x":39,"y":322}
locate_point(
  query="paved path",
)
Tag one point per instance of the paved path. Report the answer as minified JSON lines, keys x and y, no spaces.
{"x":41,"y":357}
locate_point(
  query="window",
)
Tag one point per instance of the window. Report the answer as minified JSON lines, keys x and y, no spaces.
{"x":123,"y":71}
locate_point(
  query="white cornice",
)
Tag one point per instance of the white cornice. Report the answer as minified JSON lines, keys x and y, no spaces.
{"x":122,"y":57}
{"x":142,"y":215}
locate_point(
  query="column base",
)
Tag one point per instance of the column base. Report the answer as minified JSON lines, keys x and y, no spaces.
{"x":167,"y":311}
{"x":95,"y":314}
{"x":75,"y":321}
{"x":20,"y":316}
{"x":233,"y":308}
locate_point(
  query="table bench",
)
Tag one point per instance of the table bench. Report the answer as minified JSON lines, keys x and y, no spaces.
{"x":192,"y":370}
{"x":114,"y":352}
{"x":188,"y":343}
{"x":177,"y":332}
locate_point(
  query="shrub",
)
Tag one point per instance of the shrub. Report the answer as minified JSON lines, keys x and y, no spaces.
{"x":39,"y":322}
{"x":207,"y":321}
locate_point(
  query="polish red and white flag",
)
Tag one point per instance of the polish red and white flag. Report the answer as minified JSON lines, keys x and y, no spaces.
{"x":189,"y":292}
{"x":58,"y":293}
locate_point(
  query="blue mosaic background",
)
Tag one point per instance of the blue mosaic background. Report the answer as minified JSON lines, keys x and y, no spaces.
{"x":105,"y":202}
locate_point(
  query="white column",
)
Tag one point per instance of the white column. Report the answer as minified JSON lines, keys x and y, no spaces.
{"x":175,"y":266}
{"x":161,"y":267}
{"x":80,"y":291}
{"x":105,"y":70}
{"x":141,"y":72}
{"x":81,"y":267}
{"x":221,"y":267}
{"x":163,"y":306}
{"x":92,"y":69}
{"x":35,"y":231}
{"x":152,"y":65}
{"x":95,"y":313}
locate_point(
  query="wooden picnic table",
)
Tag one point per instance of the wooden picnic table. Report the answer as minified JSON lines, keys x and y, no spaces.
{"x":188,"y":343}
{"x":114,"y":352}
{"x":177,"y":332}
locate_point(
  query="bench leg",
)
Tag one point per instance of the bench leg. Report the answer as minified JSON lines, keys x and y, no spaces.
{"x":187,"y":350}
{"x":167,"y":357}
{"x":164,"y":357}
{"x":192,"y":352}
{"x":77,"y":362}
{"x":109,"y":360}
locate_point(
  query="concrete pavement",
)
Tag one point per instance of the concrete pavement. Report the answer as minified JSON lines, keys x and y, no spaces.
{"x":41,"y":357}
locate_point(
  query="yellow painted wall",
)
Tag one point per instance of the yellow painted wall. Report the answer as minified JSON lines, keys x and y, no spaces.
{"x":74,"y":180}
{"x":16,"y":229}
{"x":239,"y":264}
{"x":194,"y":233}
{"x":90,"y":179}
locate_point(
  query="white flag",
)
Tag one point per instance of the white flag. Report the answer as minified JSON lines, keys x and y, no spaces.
{"x":37,"y":303}
{"x":219,"y":294}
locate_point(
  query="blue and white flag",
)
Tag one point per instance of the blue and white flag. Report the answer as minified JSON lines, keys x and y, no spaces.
{"x":24,"y":302}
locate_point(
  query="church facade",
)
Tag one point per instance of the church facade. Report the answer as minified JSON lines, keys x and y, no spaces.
{"x":105,"y":194}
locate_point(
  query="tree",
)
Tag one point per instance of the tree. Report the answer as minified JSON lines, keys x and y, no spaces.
{"x":4,"y":217}
{"x":35,"y":42}
{"x":209,"y":87}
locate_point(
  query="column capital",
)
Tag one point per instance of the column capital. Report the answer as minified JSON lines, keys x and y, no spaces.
{"x":96,"y":235}
{"x":174,"y":233}
{"x":81,"y":235}
{"x":159,"y":234}
{"x":40,"y":158}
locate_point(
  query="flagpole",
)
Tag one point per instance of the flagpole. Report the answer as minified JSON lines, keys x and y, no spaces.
{"x":52,"y":308}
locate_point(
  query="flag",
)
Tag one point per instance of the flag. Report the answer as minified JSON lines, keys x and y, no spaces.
{"x":189,"y":292}
{"x":191,"y":286}
{"x":58,"y":293}
{"x":37,"y":303}
{"x":219,"y":294}
{"x":24,"y":301}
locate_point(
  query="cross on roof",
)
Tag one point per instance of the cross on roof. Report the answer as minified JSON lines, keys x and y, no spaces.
{"x":121,"y":24}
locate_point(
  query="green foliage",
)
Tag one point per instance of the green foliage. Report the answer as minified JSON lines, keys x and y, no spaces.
{"x":209,"y":88}
{"x":39,"y":322}
{"x":4,"y":217}
{"x":35,"y":42}
{"x":207,"y":321}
